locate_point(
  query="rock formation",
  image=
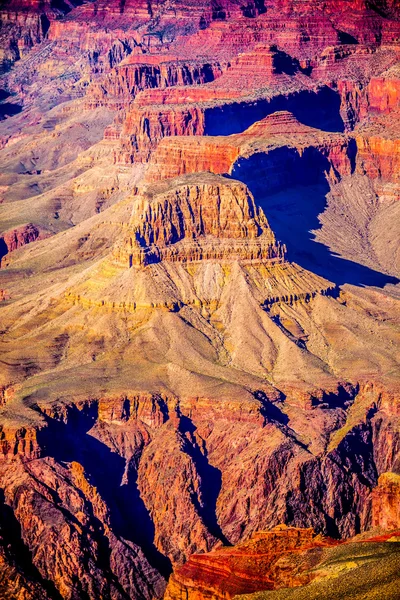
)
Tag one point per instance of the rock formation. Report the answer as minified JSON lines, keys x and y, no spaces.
{"x":199,"y":390}
{"x":290,"y":558}
{"x":199,"y":219}
{"x":385,"y":502}
{"x":264,"y":562}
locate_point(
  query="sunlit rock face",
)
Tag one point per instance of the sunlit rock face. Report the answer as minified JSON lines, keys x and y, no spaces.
{"x":199,"y":299}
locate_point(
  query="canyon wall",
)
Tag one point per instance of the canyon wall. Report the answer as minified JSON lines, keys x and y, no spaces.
{"x":199,"y":298}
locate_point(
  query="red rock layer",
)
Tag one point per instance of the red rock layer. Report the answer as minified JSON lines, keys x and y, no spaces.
{"x":54,"y":512}
{"x":208,"y":218}
{"x":16,"y":238}
{"x":159,"y":113}
{"x":379,"y":157}
{"x":386,"y":502}
{"x":374,"y":91}
{"x":142,"y":129}
{"x":265,"y":562}
{"x":107,"y":488}
{"x":217,"y":154}
{"x":141,"y":72}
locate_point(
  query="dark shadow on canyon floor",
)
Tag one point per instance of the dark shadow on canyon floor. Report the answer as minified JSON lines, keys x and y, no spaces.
{"x":292,"y":189}
{"x":129,"y":517}
{"x":210,"y":477}
{"x":8,"y":109}
{"x":316,"y":109}
{"x":3,"y":249}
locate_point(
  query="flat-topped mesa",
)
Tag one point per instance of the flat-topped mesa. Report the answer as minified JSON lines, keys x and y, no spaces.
{"x":202,"y":217}
{"x":261,"y":563}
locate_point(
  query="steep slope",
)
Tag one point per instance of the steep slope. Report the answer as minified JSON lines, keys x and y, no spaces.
{"x":199,"y":296}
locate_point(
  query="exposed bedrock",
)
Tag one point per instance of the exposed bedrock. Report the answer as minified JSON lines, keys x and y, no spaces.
{"x":260,"y":563}
{"x":386,"y":502}
{"x":280,"y":558}
{"x":295,"y":173}
{"x":143,"y":128}
{"x":379,"y":96}
{"x":20,"y":236}
{"x":130,"y":483}
{"x":65,"y":527}
{"x":219,"y":154}
{"x":292,"y":188}
{"x":25,"y":24}
{"x":144,"y":125}
{"x":200,"y":218}
{"x":291,"y":563}
{"x":316,"y":109}
{"x":205,"y":347}
{"x":141,"y":72}
{"x":379,"y":157}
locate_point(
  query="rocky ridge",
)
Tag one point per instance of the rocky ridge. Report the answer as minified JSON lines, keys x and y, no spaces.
{"x":199,"y":292}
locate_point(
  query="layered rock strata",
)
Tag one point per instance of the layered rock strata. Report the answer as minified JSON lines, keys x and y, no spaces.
{"x":196,"y":219}
{"x":260,"y":563}
{"x":173,"y":378}
{"x":289,"y":569}
{"x":220,"y":154}
{"x":385,"y":502}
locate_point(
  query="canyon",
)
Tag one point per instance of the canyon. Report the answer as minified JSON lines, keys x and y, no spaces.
{"x":199,"y":299}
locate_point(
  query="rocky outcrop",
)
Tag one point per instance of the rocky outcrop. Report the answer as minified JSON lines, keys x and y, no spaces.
{"x":176,"y":111}
{"x":20,"y":236}
{"x":24,"y":25}
{"x":175,"y":382}
{"x":143,"y":128}
{"x":367,"y":80}
{"x":239,"y":570}
{"x":385,"y":502}
{"x":182,"y":155}
{"x":56,"y":511}
{"x":266,"y":561}
{"x":105,"y":465}
{"x":19,"y":441}
{"x":141,"y":72}
{"x":379,"y":156}
{"x":201,"y":219}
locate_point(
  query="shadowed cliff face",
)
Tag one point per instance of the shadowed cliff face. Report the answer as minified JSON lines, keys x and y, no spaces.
{"x":292,"y":190}
{"x":22,"y":575}
{"x":7,"y":109}
{"x":320,"y":110}
{"x":116,"y":467}
{"x":199,"y":299}
{"x":114,"y":478}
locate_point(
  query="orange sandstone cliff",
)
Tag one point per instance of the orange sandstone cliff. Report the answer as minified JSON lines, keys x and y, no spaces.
{"x":199,"y":299}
